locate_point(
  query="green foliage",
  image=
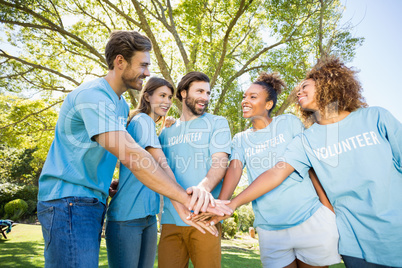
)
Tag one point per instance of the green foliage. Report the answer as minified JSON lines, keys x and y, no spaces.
{"x":31,"y":207}
{"x":27,"y":129}
{"x":51,"y":47}
{"x":229,"y":228}
{"x":10,"y":191}
{"x":246,"y":217}
{"x":15,"y":209}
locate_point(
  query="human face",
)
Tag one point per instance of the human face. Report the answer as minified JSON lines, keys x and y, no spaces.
{"x":160,"y":101}
{"x":306,"y":94}
{"x":197,"y":97}
{"x":136,"y":70}
{"x":254,"y":103}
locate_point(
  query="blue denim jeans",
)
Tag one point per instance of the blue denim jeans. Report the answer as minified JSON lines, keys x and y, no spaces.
{"x":71,"y":228}
{"x":353,"y":262}
{"x":131,"y":244}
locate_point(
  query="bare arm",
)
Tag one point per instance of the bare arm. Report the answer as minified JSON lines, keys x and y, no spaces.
{"x":216,"y":172}
{"x":266,"y":182}
{"x":183,"y":212}
{"x":142,"y":165}
{"x":231,"y":180}
{"x":214,"y":176}
{"x":320,"y":191}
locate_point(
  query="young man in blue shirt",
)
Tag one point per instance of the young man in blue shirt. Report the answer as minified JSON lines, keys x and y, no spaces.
{"x":197,"y":147}
{"x":90,"y":136}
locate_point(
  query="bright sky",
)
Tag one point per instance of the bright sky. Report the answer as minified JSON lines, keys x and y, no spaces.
{"x":379,"y":59}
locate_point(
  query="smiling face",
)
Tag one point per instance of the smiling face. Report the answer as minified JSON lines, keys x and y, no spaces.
{"x":306,"y":95}
{"x":197,"y":97}
{"x":136,"y":70}
{"x":160,"y":101}
{"x":254,"y":103}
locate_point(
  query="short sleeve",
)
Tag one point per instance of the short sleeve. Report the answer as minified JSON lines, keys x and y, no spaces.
{"x":297,"y":126}
{"x":142,"y":129}
{"x":296,"y":156}
{"x":391,"y":128}
{"x":237,"y":152}
{"x":221,"y":137}
{"x":98,"y":112}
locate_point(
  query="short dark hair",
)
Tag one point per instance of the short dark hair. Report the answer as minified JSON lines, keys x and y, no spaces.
{"x":125,"y":43}
{"x":189,"y":78}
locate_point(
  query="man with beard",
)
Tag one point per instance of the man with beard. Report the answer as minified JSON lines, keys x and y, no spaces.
{"x":197,"y":147}
{"x":90,"y":136}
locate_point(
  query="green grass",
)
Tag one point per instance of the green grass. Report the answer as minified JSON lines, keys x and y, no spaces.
{"x":24,"y":248}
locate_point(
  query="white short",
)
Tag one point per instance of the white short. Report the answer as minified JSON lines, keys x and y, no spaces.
{"x":314,"y":242}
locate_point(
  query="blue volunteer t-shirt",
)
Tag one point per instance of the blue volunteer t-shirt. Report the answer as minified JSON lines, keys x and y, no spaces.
{"x":133,"y":199}
{"x":358,"y":161}
{"x":189,"y":146}
{"x":76,"y":165}
{"x":292,"y":202}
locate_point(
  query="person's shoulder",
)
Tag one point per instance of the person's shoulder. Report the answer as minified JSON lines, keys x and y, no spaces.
{"x":91,"y":91}
{"x":142,"y":117}
{"x":287,"y":118}
{"x":218,"y":119}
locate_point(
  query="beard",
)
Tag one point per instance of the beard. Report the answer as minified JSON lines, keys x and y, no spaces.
{"x":191,"y":102}
{"x":133,"y":82}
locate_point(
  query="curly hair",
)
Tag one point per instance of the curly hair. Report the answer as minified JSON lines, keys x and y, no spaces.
{"x":273,"y":85}
{"x":336,"y":88}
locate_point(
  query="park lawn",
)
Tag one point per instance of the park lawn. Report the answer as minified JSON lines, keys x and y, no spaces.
{"x":24,"y":248}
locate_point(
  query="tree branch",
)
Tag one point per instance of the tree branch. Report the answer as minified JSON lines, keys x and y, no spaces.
{"x":121,"y":13}
{"x":37,"y":66}
{"x":243,"y":7}
{"x":55,"y":28}
{"x":29,"y":115}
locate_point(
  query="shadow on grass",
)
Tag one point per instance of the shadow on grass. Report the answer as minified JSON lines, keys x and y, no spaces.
{"x":21,"y":254}
{"x":239,"y":257}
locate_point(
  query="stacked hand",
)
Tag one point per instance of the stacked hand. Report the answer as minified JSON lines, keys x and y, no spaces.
{"x":210,"y":219}
{"x":201,"y":200}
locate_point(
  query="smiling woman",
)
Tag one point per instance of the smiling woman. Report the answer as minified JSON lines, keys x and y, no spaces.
{"x":291,"y":214}
{"x":131,"y":228}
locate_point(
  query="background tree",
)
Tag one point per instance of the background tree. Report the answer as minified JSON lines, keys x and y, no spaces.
{"x":51,"y":46}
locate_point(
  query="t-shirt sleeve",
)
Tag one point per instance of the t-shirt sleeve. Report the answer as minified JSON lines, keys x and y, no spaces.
{"x":221,"y":137}
{"x":98,"y":112}
{"x":297,"y":126}
{"x":391,"y":128}
{"x":296,"y":156}
{"x":142,"y":129}
{"x":237,"y":152}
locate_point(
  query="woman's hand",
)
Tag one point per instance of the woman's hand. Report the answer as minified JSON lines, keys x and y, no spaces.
{"x":169,"y":121}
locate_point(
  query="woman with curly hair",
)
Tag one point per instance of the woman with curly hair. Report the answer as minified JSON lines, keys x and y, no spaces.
{"x":294,"y":228}
{"x":357,"y":154}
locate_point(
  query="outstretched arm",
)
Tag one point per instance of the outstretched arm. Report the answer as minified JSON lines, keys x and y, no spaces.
{"x":183,"y":212}
{"x":213,"y":177}
{"x":231,"y":180}
{"x":131,"y":155}
{"x":266,"y":182}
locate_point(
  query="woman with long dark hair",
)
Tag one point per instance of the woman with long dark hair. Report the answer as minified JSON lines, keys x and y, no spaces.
{"x":131,"y":226}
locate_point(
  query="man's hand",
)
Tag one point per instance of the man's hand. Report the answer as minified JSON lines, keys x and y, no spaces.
{"x":200,"y":225}
{"x":210,"y":218}
{"x":202,"y":200}
{"x":113,"y":187}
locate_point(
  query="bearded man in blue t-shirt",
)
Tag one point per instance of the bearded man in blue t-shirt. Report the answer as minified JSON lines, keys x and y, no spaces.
{"x":196,"y":146}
